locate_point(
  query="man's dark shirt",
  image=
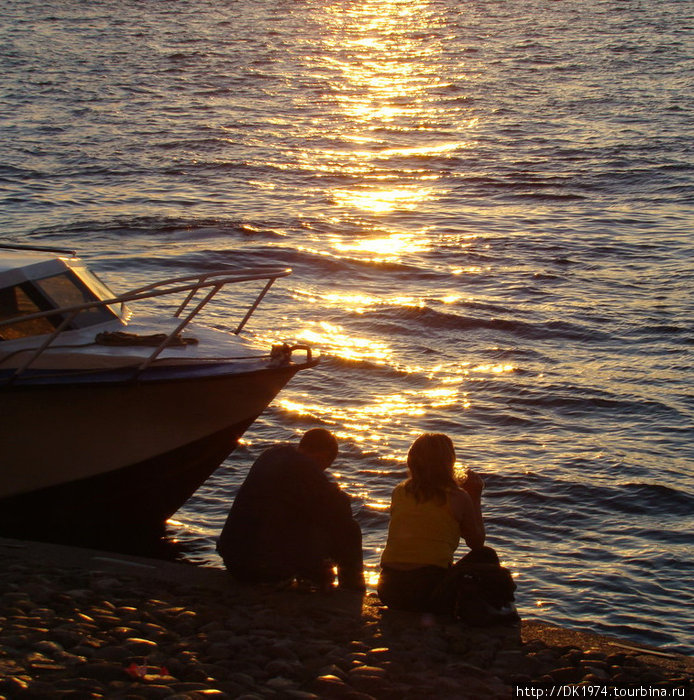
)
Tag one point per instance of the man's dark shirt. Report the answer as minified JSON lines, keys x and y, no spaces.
{"x":286,"y":520}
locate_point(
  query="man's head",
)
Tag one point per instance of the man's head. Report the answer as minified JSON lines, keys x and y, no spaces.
{"x":320,"y":445}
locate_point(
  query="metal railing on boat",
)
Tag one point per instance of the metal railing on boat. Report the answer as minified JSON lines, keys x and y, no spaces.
{"x":210,"y":281}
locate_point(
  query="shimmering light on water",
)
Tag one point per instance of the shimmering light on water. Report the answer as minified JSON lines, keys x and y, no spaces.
{"x":387,"y":248}
{"x":380,"y":201}
{"x":334,"y":340}
{"x":360,"y":303}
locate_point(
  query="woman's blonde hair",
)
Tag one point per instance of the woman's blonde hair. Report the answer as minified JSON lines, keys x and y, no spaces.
{"x":431,"y":461}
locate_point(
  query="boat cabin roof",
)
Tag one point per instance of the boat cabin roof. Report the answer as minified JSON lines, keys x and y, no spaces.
{"x":33,"y":282}
{"x":19,"y":258}
{"x":18,"y":266}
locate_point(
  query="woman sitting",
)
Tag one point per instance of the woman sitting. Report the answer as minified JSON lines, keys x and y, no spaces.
{"x":429,"y":513}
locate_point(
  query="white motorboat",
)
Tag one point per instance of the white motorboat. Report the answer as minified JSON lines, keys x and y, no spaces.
{"x":110,"y":421}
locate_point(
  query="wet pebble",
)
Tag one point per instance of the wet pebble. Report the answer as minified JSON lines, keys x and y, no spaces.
{"x":139,"y":647}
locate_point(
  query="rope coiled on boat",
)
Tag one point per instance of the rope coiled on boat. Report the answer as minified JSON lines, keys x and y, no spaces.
{"x":125,"y":339}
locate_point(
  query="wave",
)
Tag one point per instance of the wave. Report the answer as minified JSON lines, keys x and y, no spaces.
{"x":11,"y":173}
{"x":412,"y":320}
{"x":658,"y":329}
{"x":651,"y":499}
{"x":374,"y":369}
{"x":313,"y":265}
{"x":576,"y":400}
{"x":599,"y":501}
{"x":186,"y":56}
{"x":547,"y":197}
{"x":176,"y":229}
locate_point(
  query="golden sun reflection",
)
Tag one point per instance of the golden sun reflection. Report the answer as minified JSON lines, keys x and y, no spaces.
{"x":358,"y":303}
{"x":376,"y":504}
{"x":469,"y":270}
{"x":371,"y":576}
{"x":494,"y":369}
{"x":379,"y":64}
{"x":380,"y":201}
{"x":385,"y":247}
{"x":334,"y":339}
{"x":442,"y":396}
{"x":366,"y":423}
{"x":394,"y":405}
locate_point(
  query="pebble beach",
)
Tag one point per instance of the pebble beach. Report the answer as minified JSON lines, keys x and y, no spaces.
{"x":80,"y":624}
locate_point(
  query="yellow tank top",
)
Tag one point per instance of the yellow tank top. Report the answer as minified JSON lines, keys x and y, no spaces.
{"x":425,"y":533}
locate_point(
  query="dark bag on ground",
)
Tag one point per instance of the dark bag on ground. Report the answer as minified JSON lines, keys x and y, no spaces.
{"x":484,"y":595}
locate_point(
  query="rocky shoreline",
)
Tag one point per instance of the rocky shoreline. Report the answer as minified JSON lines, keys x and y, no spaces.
{"x":81,"y":624}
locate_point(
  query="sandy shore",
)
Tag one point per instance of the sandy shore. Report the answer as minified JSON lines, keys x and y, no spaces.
{"x":81,"y":624}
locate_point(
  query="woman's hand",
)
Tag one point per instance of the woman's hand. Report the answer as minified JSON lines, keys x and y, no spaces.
{"x":473,"y":485}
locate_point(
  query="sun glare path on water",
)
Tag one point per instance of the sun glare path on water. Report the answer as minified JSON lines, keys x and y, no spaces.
{"x":377,"y":65}
{"x":384,"y":248}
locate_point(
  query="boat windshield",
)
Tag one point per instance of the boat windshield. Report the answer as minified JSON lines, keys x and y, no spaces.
{"x":100,"y":290}
{"x":54,"y":292}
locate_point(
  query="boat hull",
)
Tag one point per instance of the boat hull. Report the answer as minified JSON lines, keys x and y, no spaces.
{"x":118,"y":458}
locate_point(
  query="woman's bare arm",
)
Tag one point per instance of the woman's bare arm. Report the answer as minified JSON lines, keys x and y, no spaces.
{"x":466,"y":509}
